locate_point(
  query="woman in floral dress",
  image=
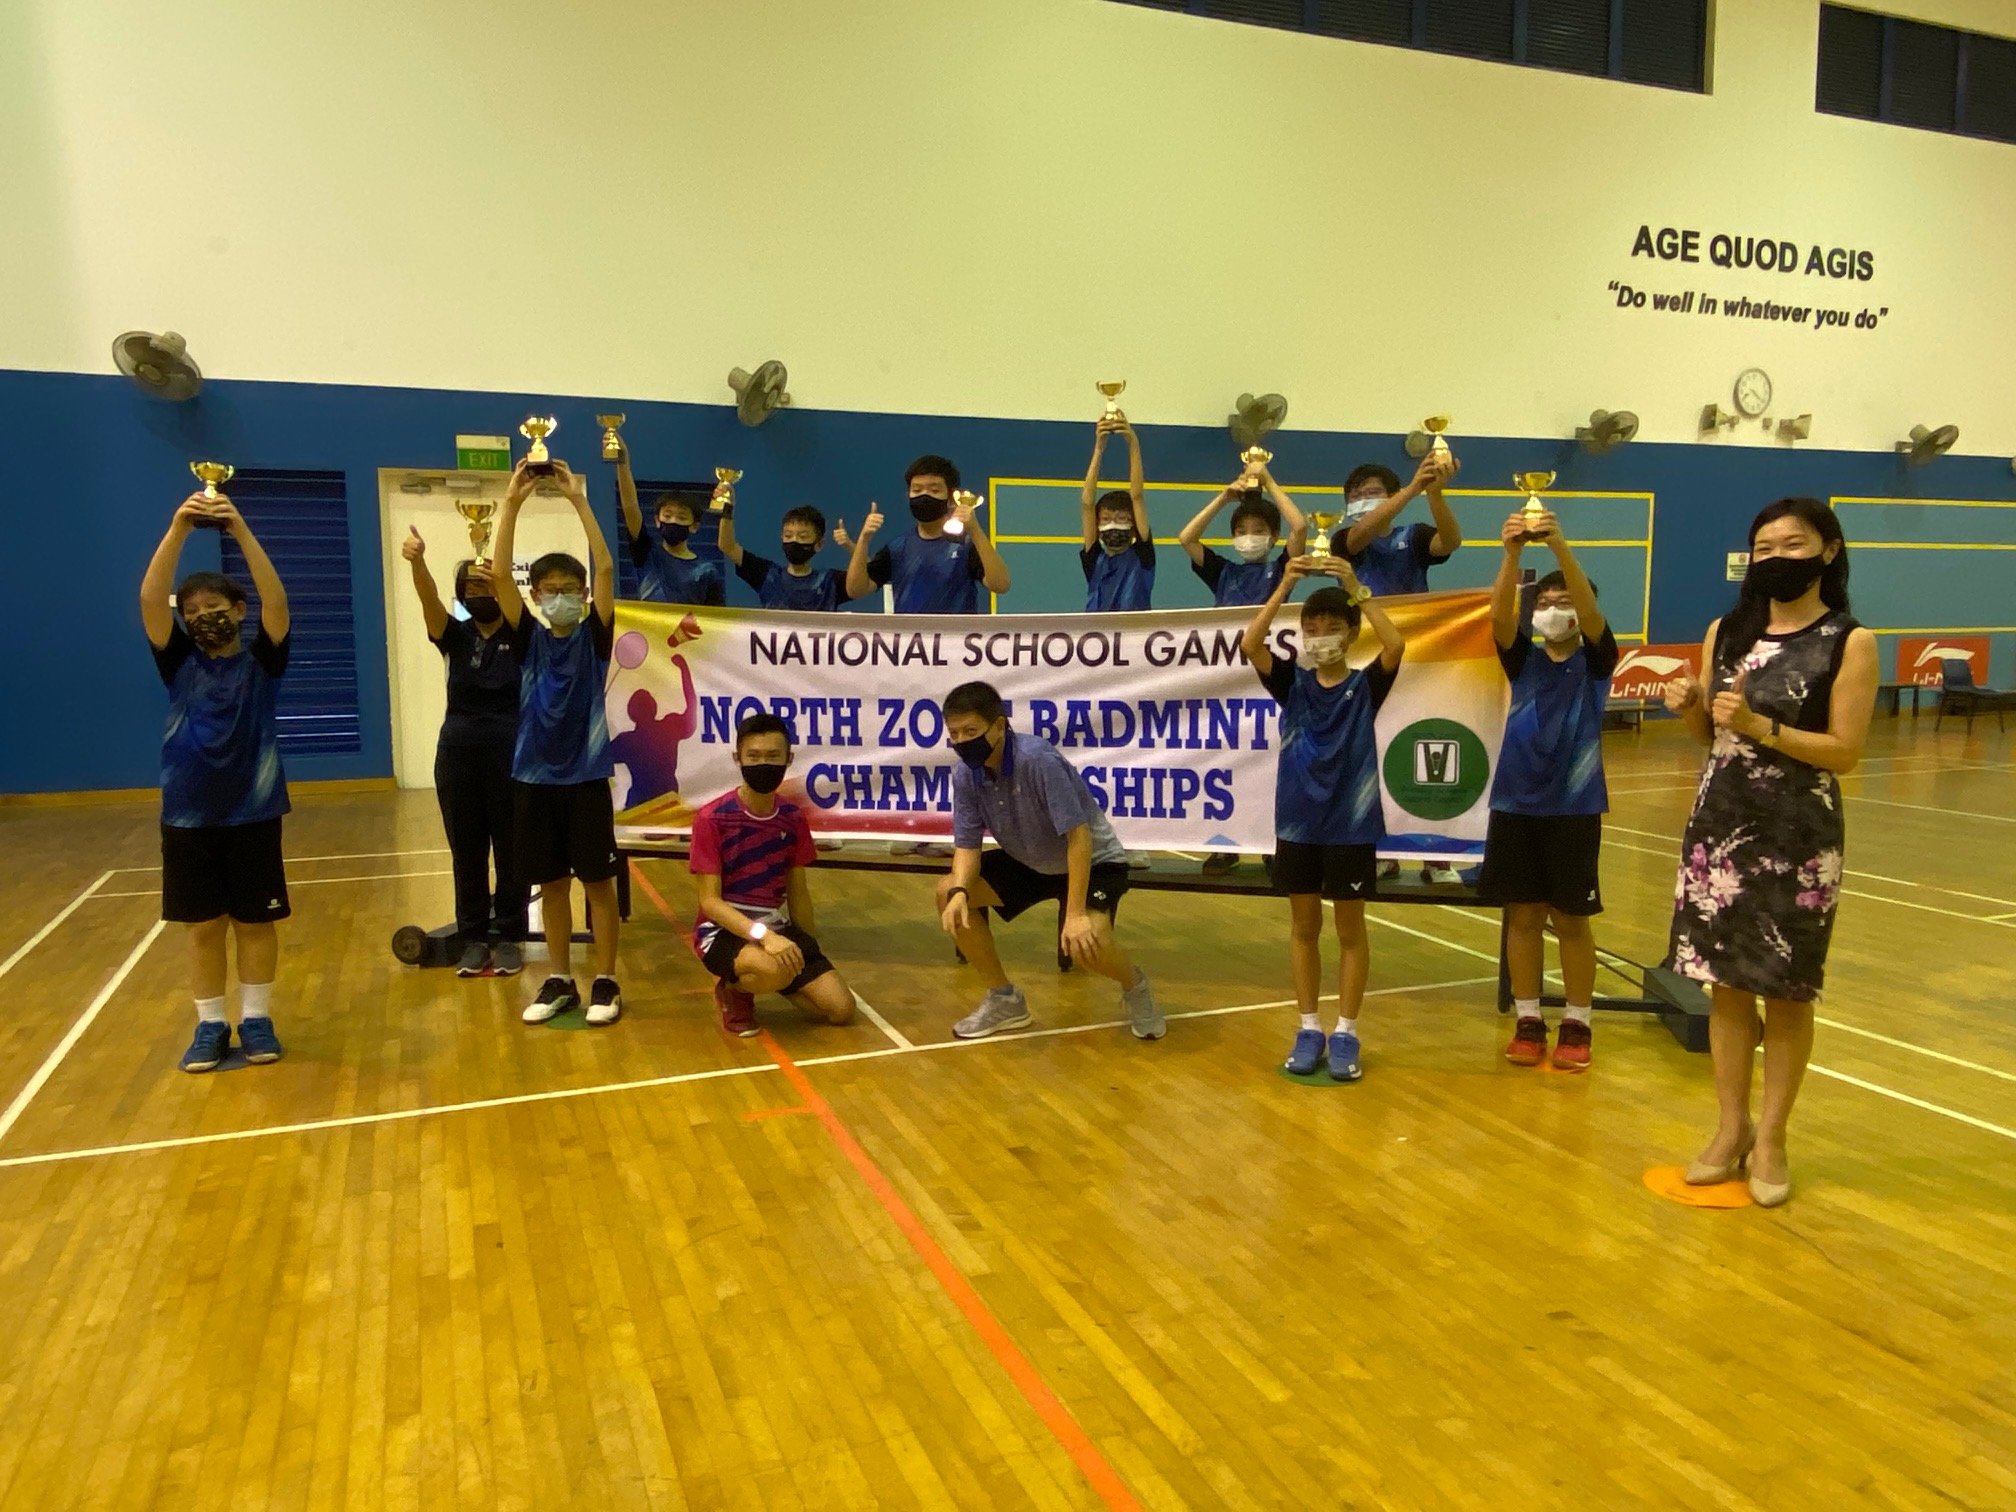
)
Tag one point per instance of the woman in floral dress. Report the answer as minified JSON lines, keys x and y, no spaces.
{"x":1791,"y":687}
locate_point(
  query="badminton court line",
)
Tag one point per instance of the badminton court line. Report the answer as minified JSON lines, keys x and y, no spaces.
{"x":293,"y":882}
{"x":51,"y":927}
{"x":304,"y":860}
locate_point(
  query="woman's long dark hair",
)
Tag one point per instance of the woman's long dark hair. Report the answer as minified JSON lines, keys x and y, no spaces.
{"x":1743,"y":624}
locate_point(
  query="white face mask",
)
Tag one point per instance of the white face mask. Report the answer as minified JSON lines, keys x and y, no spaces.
{"x":1252,"y":548}
{"x":1320,"y":651}
{"x":1357,"y":509}
{"x":1555,"y":624}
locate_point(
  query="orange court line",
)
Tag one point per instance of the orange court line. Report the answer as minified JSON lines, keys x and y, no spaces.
{"x":1093,"y":1465}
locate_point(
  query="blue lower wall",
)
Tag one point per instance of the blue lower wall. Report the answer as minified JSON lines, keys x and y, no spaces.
{"x":96,"y":468}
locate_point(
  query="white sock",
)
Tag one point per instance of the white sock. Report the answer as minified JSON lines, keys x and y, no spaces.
{"x":1346,"y":1026}
{"x":210,"y":1011}
{"x":255,"y":999}
{"x":1527,"y":1007}
{"x":1580,"y":1012}
{"x":1310,"y":1021}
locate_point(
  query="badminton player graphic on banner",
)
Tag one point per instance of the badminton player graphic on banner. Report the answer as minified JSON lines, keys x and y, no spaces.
{"x":1159,"y":711}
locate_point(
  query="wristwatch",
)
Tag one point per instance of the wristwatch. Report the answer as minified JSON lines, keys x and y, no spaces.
{"x":757,"y":932}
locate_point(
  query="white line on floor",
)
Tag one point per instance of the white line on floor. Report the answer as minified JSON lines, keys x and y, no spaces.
{"x":50,"y":928}
{"x":868,"y":1012}
{"x":1931,"y":808}
{"x":155,"y":892}
{"x":303,"y":860}
{"x":1916,"y":1102}
{"x":55,"y":1058}
{"x":1938,"y":1055}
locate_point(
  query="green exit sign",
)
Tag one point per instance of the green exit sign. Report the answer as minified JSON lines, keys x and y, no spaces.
{"x":483,"y":453}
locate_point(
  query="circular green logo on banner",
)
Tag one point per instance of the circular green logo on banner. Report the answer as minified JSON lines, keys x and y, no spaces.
{"x":1437,"y":769}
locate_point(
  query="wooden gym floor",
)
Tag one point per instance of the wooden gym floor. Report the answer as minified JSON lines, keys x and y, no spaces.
{"x":436,"y":1258}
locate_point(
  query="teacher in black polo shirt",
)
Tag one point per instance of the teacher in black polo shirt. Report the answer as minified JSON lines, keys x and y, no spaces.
{"x":472,"y":764}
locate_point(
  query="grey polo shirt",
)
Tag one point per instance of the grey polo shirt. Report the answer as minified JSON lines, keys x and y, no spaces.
{"x":1029,"y":808}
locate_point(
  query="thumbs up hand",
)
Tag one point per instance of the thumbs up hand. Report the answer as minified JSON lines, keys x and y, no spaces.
{"x":1732,"y":709}
{"x":412,"y":548}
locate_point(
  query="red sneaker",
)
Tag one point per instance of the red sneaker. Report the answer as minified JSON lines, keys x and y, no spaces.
{"x":1571,"y":1047}
{"x":1529,"y":1042}
{"x":738,"y":1011}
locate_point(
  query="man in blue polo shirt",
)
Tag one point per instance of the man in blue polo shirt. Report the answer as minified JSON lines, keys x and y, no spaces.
{"x":1118,"y":553}
{"x":560,"y":767}
{"x":1053,"y":844}
{"x":1548,"y":796}
{"x":934,"y":570}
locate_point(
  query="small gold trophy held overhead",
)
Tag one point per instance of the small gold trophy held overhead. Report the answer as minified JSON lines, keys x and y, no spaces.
{"x":211,"y":474}
{"x":1113,"y":389}
{"x":1255,"y":458}
{"x":1325,"y":521}
{"x":538,"y":461}
{"x":960,"y":496}
{"x":478,"y":513}
{"x":1535,"y":484}
{"x":725,"y":479}
{"x":612,"y":444}
{"x":1438,"y":445}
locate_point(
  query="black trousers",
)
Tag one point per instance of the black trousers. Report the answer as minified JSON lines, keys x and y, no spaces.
{"x":473,"y":784}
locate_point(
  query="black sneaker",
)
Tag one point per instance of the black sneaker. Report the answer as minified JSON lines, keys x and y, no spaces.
{"x":558,"y":996}
{"x":474,"y":960}
{"x":605,"y":1002}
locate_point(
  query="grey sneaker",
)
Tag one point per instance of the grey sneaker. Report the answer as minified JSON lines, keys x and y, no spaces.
{"x":1143,"y":1016}
{"x":474,"y":960}
{"x":997,"y":1011}
{"x":506,"y":959}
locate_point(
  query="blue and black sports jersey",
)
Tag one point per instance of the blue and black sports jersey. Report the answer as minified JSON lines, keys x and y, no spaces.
{"x":1121,"y":583}
{"x":1397,"y":562}
{"x":1326,"y":783}
{"x":220,"y":755}
{"x":1551,"y":761}
{"x":936,"y":576}
{"x":563,"y":730}
{"x":821,"y":590}
{"x":1240,"y":583}
{"x":663,"y":578}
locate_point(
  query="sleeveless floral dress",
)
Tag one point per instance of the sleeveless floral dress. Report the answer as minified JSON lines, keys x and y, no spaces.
{"x":1760,"y":865}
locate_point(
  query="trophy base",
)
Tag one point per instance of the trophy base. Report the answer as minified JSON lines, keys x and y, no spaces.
{"x":544,"y":469}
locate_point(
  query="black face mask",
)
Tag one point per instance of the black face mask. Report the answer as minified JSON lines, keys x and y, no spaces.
{"x":924,"y":508}
{"x":974,"y":752}
{"x":1116,"y":538}
{"x":674,"y":534}
{"x":1783,"y":579}
{"x":763,"y":776}
{"x":798,"y":553}
{"x":483,"y":610}
{"x":214,"y":631}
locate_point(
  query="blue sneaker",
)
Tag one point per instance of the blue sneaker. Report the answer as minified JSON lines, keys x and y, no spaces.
{"x":257,"y":1039}
{"x":1344,"y":1058}
{"x":207,"y":1051}
{"x":1307,"y":1052}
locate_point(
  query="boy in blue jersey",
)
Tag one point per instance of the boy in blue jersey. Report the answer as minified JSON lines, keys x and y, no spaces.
{"x":668,"y":571}
{"x":934,"y":570}
{"x":222,"y":787}
{"x":1259,"y":511}
{"x":797,"y":584}
{"x":560,"y":766}
{"x":1388,"y":560}
{"x":1327,"y":815}
{"x":1548,"y":796}
{"x":1118,"y":553}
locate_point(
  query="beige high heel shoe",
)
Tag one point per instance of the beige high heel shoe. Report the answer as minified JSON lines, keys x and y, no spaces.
{"x":1700,"y":1173}
{"x":1770,"y":1194}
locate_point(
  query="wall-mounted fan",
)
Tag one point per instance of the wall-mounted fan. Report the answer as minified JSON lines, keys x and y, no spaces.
{"x":159,"y":365}
{"x":1255,"y":416}
{"x":1606,"y":431}
{"x":759,"y":394}
{"x":1927,"y":442}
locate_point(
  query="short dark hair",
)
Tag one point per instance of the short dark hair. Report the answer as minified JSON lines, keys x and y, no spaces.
{"x":975,"y":698}
{"x":1114,"y":499}
{"x":1558,"y":579}
{"x":554,"y":564}
{"x":1261,"y":510}
{"x":1367,"y":472}
{"x":804,"y":514}
{"x":931,"y":466}
{"x":674,"y":498}
{"x":762,"y":724}
{"x":1331,"y":603}
{"x":209,"y":582}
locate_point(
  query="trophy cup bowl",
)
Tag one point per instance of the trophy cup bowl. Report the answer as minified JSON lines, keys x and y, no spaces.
{"x":538,"y":461}
{"x":1113,"y":389}
{"x":1438,"y":447}
{"x":1325,"y":521}
{"x":1255,"y":458}
{"x":725,"y":479}
{"x":956,"y":526}
{"x":210,"y":474}
{"x":1534,"y":484}
{"x":612,"y":444}
{"x":478,"y":513}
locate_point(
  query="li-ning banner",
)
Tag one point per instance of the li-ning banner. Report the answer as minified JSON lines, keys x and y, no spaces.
{"x":1162,"y":714}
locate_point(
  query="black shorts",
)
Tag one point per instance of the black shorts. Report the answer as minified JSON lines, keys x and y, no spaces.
{"x":719,"y":957}
{"x":1551,"y":859}
{"x":564,"y":831}
{"x":1021,"y":887}
{"x":1341,"y":873}
{"x":223,"y":869}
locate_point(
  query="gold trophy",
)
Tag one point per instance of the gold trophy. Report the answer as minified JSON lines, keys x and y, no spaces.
{"x":1438,"y":447}
{"x":956,"y":526}
{"x":478,"y":512}
{"x":538,"y":461}
{"x":211,"y":474}
{"x":1534,"y":483}
{"x":612,"y":444}
{"x":1325,"y":521}
{"x":725,"y":479}
{"x":1255,"y":458}
{"x":1113,"y":390}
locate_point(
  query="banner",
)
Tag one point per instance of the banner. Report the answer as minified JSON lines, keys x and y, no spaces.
{"x":1920,"y":658}
{"x":1644,"y":671}
{"x":1160,"y":712}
